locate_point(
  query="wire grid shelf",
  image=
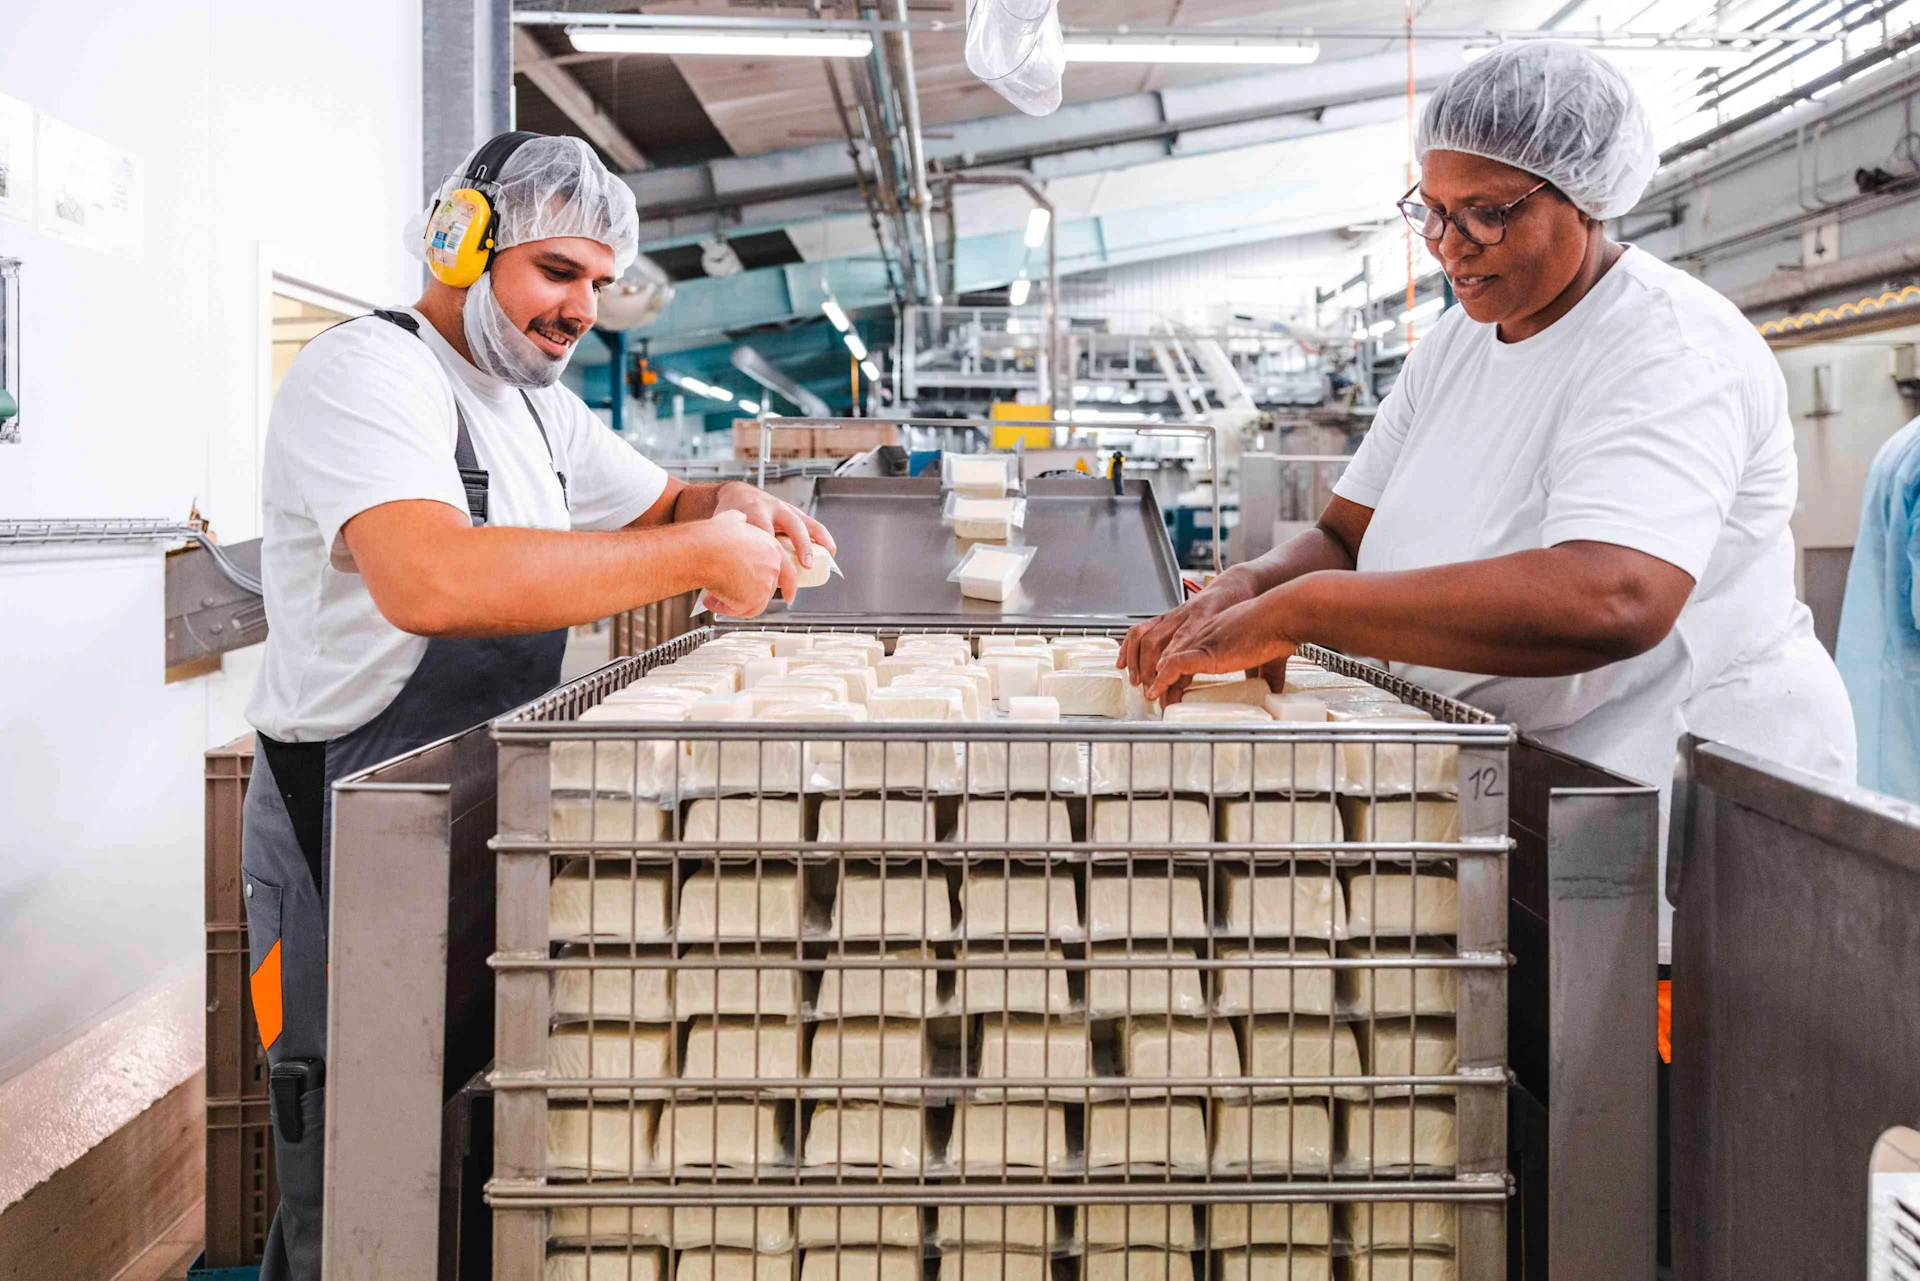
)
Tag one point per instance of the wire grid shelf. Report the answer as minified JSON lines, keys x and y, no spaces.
{"x":1123,"y":1000}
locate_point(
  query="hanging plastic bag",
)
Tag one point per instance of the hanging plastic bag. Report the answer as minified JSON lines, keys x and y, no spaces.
{"x":1016,"y":47}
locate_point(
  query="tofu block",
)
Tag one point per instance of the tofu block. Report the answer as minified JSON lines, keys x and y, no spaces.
{"x":814,"y":575}
{"x":1039,"y":708}
{"x":848,"y":665}
{"x":1400,"y":1224}
{"x":859,"y":1225}
{"x":750,"y":765}
{"x":737,"y":1049}
{"x":1062,"y":646}
{"x":1272,"y":1138}
{"x":1087,"y":693}
{"x":616,"y":766}
{"x":1306,"y":677}
{"x":741,"y":902}
{"x":611,"y":818}
{"x":768,"y":1230}
{"x":1241,"y":1224}
{"x":731,"y":1133}
{"x":1014,"y":1227}
{"x":808,"y":678}
{"x":986,"y":475}
{"x":1169,"y":1226}
{"x":733,"y":1265}
{"x":1024,"y":1046}
{"x":1274,"y":822}
{"x":1152,"y":825}
{"x":909,"y":903}
{"x":998,"y":1136}
{"x":609,"y":1224}
{"x":1159,"y":985}
{"x":1151,"y":903}
{"x":1398,"y":993}
{"x":1252,"y":990}
{"x":769,"y":992}
{"x":643,"y":1264}
{"x":1171,"y":1133}
{"x":996,"y":767}
{"x":1219,"y":768}
{"x":1275,"y":1263}
{"x":1014,"y":674}
{"x":724,"y":665}
{"x":992,"y":575}
{"x":1034,"y":824}
{"x":987,"y":1264}
{"x":1391,"y":1134}
{"x":1084,"y":660}
{"x":1171,"y":1047}
{"x":639,"y":992}
{"x":776,"y":691}
{"x":884,"y":823}
{"x":703,"y":678}
{"x":998,"y":899}
{"x":744,"y":818}
{"x":1401,"y":1265}
{"x":960,"y":679}
{"x":871,"y":647}
{"x":755,"y":670}
{"x":997,"y":641}
{"x":867,"y":1049}
{"x":1283,"y":900}
{"x":608,"y":899}
{"x":734,"y":643}
{"x":989,"y":519}
{"x":913,"y":663}
{"x":610,"y":1050}
{"x":616,"y":1139}
{"x":1017,"y":991}
{"x":1250,"y":691}
{"x":1137,"y":1265}
{"x":1282,"y":1046}
{"x":1414,"y":1047}
{"x":876,"y":1134}
{"x":1401,"y":820}
{"x":1290,"y":765}
{"x":1386,"y":768}
{"x":644,"y":691}
{"x":837,"y":766}
{"x":909,"y":989}
{"x":785,"y":644}
{"x":1403,"y":901}
{"x":860,"y":1264}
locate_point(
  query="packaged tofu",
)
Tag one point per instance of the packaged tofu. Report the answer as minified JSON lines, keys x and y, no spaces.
{"x":1166,"y":1133}
{"x":1402,"y":1265}
{"x":1097,"y":692}
{"x":1383,"y":769}
{"x":1012,"y":989}
{"x":607,"y":818}
{"x":1400,"y":820}
{"x":1273,"y":1138}
{"x":1031,"y":1228}
{"x":1219,"y":768}
{"x":638,"y":990}
{"x":1231,"y":1224}
{"x":1154,"y":983}
{"x":742,"y":901}
{"x":998,"y":899}
{"x":990,"y":1137}
{"x":1172,"y":1048}
{"x":606,"y":1138}
{"x":992,"y":573}
{"x":835,"y":1225}
{"x":610,"y":1050}
{"x":1148,"y":901}
{"x":621,"y":766}
{"x":577,"y":1225}
{"x":866,"y":1134}
{"x":891,"y":902}
{"x":1402,"y":900}
{"x":610,"y":899}
{"x":1136,"y":1265}
{"x":980,"y":475}
{"x":893,"y":826}
{"x":1400,"y":1224}
{"x":1398,"y":992}
{"x":1276,"y":900}
{"x":644,"y":1263}
{"x":869,"y":1049}
{"x":1295,"y":1046}
{"x":1165,"y":1226}
{"x":1275,"y":1263}
{"x":1392,"y":1134}
{"x":983,"y":519}
{"x":1409,"y":1047}
{"x":743,"y":1049}
{"x":860,"y":1263}
{"x":769,"y":991}
{"x":1253,"y":989}
{"x":907,"y":987}
{"x":766,"y":1230}
{"x":1029,"y":1048}
{"x":988,"y":1264}
{"x":733,"y":1134}
{"x":994,"y":768}
{"x":716,"y":1264}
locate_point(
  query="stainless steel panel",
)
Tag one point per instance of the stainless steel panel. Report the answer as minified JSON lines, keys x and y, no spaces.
{"x":1796,"y":1031}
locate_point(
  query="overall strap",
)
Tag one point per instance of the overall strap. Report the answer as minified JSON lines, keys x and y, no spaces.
{"x":548,"y":443}
{"x":473,"y":477}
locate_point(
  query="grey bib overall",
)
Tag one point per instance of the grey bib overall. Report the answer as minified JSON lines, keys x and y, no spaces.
{"x":285,"y":850}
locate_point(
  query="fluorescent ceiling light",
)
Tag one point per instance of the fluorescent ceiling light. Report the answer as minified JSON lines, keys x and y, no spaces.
{"x":720,"y":393}
{"x":724,"y":44}
{"x":872,"y":370}
{"x":750,"y":406}
{"x":1379,"y":327}
{"x":1426,"y":308}
{"x":695,"y":386}
{"x":854,"y":345}
{"x":834,"y":313}
{"x":1017,"y":292}
{"x":1037,"y":227}
{"x":1292,"y":53}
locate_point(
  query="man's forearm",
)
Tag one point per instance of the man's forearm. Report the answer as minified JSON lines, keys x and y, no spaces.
{"x":697,"y":502}
{"x":504,"y":581}
{"x":1305,"y":553}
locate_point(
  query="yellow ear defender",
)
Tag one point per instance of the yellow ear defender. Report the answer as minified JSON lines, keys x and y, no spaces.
{"x":459,"y":238}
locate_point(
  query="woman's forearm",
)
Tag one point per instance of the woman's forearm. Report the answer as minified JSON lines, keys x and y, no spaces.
{"x":1307,"y":553}
{"x":1553,"y":612}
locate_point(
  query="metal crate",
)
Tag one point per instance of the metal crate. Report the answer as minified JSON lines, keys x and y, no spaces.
{"x":1192,"y":1066}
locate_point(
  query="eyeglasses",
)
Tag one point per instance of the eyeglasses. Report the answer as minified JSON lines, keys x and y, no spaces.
{"x":1482,"y":224}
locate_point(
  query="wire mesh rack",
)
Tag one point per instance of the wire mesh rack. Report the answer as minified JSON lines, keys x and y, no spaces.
{"x":844,"y":999}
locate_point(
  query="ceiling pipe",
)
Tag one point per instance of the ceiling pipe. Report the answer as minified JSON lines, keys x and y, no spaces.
{"x":917,"y":156}
{"x":1901,"y":259}
{"x":1058,"y":376}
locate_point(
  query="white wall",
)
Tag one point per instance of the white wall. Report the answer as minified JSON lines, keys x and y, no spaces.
{"x":1268,"y":280}
{"x":275,"y":136}
{"x":1837,"y":448}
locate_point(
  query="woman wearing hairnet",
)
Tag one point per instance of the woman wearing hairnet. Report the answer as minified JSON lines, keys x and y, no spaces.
{"x":1572,"y":509}
{"x":438,"y":511}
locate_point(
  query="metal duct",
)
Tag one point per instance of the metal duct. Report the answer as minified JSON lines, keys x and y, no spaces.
{"x":1791,"y":286}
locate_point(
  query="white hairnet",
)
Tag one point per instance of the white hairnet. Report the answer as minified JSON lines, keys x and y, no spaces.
{"x":1554,"y":109}
{"x":550,"y":186}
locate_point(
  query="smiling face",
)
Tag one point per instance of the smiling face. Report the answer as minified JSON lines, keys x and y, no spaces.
{"x":549,"y":288}
{"x":1546,"y":242}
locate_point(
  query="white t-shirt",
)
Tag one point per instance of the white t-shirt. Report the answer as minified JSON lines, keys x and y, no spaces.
{"x":1650,"y":416}
{"x":365,"y":416}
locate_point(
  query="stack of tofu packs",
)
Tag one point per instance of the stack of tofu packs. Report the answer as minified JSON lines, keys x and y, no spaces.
{"x":985,"y":988}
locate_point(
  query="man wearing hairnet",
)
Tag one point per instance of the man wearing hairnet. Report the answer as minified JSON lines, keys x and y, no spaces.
{"x":438,"y":511}
{"x":1572,"y":508}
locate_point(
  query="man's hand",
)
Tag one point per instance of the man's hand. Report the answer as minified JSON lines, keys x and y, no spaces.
{"x":1146,"y":644}
{"x":763,"y":511}
{"x":745,"y":566}
{"x":1247,"y":637}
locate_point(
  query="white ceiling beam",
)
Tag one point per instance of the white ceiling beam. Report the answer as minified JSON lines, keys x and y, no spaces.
{"x":574,"y":102}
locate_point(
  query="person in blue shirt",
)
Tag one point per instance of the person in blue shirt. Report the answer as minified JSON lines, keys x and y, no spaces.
{"x":1879,"y":646}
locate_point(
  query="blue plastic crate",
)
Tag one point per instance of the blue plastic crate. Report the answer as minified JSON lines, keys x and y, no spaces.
{"x":200,"y":1272}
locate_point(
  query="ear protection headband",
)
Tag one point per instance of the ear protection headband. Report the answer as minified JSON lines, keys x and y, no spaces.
{"x":459,"y":237}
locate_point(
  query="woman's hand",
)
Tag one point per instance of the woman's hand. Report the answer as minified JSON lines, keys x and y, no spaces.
{"x":764,"y":511}
{"x":1247,"y":637}
{"x":1147,"y":643}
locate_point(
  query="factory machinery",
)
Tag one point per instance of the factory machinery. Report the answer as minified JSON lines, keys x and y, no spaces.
{"x":844,"y":999}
